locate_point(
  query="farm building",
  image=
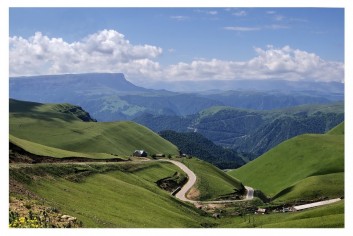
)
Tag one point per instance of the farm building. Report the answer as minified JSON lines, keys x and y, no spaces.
{"x":140,"y":153}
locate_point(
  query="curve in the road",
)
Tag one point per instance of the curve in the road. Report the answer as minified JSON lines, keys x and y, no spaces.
{"x":192,"y":180}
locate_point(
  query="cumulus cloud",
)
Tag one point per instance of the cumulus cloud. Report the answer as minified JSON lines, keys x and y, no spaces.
{"x":110,"y":51}
{"x":106,"y":50}
{"x":270,"y":63}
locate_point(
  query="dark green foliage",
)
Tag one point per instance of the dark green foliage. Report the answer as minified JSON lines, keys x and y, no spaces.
{"x":195,"y":144}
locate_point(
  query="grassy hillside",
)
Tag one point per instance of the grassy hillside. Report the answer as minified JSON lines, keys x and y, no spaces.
{"x":42,"y":150}
{"x":309,"y":163}
{"x":211,"y":182}
{"x":47,"y":125}
{"x":110,"y":195}
{"x":338,"y":130}
{"x":330,"y":216}
{"x":65,"y":111}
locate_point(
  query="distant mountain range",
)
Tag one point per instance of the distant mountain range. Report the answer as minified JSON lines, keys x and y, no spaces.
{"x":110,"y":97}
{"x":248,"y":85}
{"x":251,"y":131}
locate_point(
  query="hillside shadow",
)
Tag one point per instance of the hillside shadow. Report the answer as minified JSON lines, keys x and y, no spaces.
{"x":283,"y":192}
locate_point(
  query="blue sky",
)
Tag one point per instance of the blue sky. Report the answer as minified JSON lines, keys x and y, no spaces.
{"x":181,"y":43}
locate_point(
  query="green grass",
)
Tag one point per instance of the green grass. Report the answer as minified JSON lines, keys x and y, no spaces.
{"x":46,"y":125}
{"x":42,"y":150}
{"x":295,"y":160}
{"x":124,"y":196}
{"x":338,"y":130}
{"x":330,"y":216}
{"x":320,"y":186}
{"x":211,"y":181}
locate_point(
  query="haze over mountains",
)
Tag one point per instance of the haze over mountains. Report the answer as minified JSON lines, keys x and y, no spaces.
{"x":238,"y":115}
{"x":109,"y":96}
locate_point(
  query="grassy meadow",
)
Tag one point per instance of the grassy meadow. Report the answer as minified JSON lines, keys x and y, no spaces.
{"x":308,"y":164}
{"x":47,"y":125}
{"x":330,"y":216}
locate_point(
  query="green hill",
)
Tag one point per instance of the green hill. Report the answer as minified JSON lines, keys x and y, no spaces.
{"x":211,"y":183}
{"x":338,"y":130}
{"x":108,"y":195}
{"x":42,"y":150}
{"x":305,"y":167}
{"x":61,"y":126}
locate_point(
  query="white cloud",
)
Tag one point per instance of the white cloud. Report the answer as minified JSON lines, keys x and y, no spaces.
{"x":212,"y":12}
{"x":272,"y":63}
{"x":278,"y":17}
{"x":277,"y":27}
{"x":240,"y":13}
{"x":241,"y":28}
{"x":207,"y":12}
{"x":270,"y":12}
{"x":110,"y":51}
{"x":256,"y":28}
{"x":179,"y":18}
{"x":106,"y":50}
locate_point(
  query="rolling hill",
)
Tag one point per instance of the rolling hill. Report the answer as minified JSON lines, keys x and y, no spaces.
{"x":309,"y":166}
{"x":212,"y":183}
{"x":108,"y":195}
{"x":50,"y":125}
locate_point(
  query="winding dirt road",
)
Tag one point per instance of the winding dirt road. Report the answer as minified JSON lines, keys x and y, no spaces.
{"x":181,"y":195}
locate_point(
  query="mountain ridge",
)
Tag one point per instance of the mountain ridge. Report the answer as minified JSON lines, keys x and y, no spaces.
{"x":251,"y":131}
{"x":110,"y":97}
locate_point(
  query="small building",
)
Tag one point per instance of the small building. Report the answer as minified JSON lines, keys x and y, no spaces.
{"x":261,"y":211}
{"x":140,"y":153}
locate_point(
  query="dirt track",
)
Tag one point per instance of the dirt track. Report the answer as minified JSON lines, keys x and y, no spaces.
{"x":181,"y":195}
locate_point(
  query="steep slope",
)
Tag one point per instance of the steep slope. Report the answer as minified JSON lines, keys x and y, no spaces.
{"x":44,"y":124}
{"x":108,"y":195}
{"x":307,"y":166}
